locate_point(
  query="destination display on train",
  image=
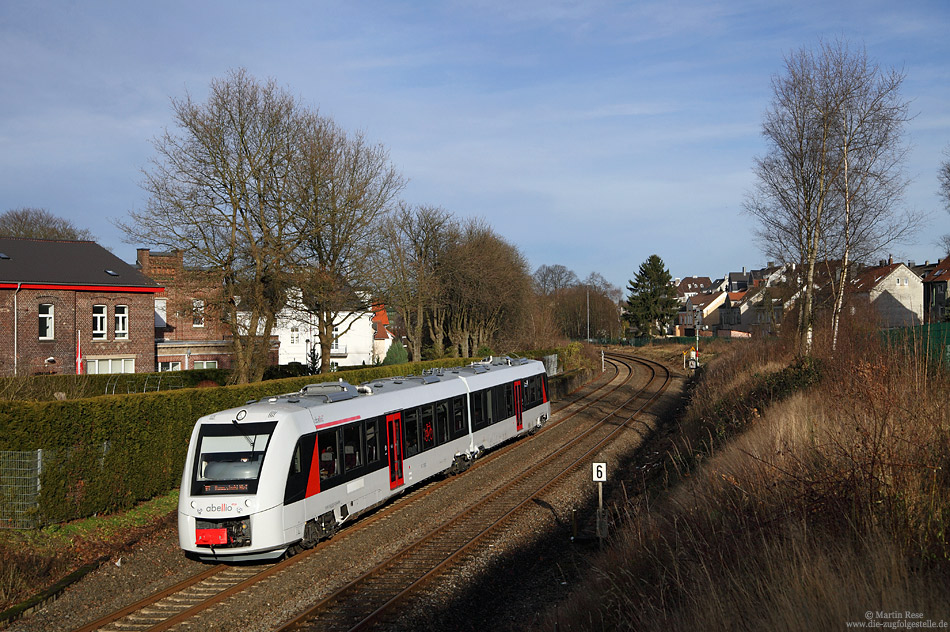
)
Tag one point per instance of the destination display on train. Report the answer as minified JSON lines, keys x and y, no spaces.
{"x":225,"y":487}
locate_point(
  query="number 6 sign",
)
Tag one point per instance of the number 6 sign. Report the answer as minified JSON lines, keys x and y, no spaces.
{"x":600,"y":472}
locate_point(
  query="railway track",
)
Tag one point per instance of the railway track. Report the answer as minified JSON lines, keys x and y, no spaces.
{"x":378,"y":593}
{"x":433,"y":553}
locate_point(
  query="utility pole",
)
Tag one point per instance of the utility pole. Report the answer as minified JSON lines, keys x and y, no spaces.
{"x":696,"y":314}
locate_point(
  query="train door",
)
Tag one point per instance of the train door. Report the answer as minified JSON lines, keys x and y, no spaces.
{"x":519,"y":405}
{"x":394,"y":449}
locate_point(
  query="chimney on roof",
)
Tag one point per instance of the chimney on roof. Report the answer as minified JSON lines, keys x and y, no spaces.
{"x":890,"y":260}
{"x":911,"y":263}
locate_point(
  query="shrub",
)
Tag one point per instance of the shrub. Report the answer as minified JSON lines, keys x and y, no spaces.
{"x":826,"y":495}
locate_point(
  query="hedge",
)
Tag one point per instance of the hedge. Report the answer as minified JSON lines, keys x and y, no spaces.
{"x":106,"y":453}
{"x":45,"y":387}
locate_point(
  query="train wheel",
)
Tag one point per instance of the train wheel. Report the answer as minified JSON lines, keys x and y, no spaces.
{"x":459,"y":465}
{"x":311,"y":535}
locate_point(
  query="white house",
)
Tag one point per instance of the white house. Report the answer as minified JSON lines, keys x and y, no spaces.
{"x":895,"y":291}
{"x":355,"y":341}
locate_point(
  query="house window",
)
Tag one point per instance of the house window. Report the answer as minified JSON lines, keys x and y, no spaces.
{"x":46,"y":321}
{"x":206,"y":364}
{"x":110,"y":365}
{"x":169,"y":366}
{"x":161,"y":313}
{"x":295,"y":335}
{"x":335,"y":345}
{"x":121,"y":322}
{"x":98,"y":322}
{"x":198,"y":310}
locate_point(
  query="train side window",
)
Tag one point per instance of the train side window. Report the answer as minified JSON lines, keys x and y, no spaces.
{"x":352,"y":447}
{"x":427,"y":427}
{"x":411,"y":431}
{"x":372,"y":441}
{"x":442,"y":422}
{"x":509,"y":399}
{"x":478,"y":410}
{"x":329,"y":454}
{"x":458,"y":416}
{"x":492,"y":407}
{"x":500,"y":399}
{"x":532,"y":392}
{"x":299,"y":473}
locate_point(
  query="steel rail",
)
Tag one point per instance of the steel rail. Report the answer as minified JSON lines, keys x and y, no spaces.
{"x":133,"y":614}
{"x":307,"y":619}
{"x":151,"y":599}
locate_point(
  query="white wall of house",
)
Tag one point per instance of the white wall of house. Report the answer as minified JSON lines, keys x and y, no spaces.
{"x":898,"y":298}
{"x":297,"y":332}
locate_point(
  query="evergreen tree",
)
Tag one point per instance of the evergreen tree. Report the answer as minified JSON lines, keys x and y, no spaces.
{"x":397,"y":354}
{"x":651,"y":304}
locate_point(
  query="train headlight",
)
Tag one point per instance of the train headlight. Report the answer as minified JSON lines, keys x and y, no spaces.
{"x":247,"y":503}
{"x":194,"y":505}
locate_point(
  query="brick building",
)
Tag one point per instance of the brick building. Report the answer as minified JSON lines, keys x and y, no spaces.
{"x":72,"y":306}
{"x":189,"y":332}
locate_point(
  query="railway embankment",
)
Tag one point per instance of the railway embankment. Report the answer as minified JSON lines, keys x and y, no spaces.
{"x":788,"y":495}
{"x":36,"y":561}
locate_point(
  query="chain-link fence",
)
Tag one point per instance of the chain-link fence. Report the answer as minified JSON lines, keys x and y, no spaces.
{"x":20,"y":473}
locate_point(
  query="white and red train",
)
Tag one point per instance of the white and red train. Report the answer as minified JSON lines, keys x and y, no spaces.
{"x":287,"y":471}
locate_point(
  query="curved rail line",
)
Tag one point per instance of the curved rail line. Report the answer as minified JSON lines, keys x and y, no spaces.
{"x":188,"y":598}
{"x":376,"y":594}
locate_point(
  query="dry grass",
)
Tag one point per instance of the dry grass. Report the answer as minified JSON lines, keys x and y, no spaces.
{"x":800,"y":515}
{"x":33,"y":560}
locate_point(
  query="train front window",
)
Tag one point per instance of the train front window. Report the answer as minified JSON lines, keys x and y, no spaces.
{"x":229,"y":457}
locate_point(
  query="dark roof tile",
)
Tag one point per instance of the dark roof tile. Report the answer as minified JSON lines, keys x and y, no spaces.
{"x":78,"y":263}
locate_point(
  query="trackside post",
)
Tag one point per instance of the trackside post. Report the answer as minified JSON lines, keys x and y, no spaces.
{"x":600,"y":477}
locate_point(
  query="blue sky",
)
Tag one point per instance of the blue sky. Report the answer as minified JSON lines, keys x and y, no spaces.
{"x":589,"y":134}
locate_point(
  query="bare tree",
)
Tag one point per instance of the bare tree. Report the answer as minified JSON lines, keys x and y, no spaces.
{"x":589,"y":309}
{"x":872,"y":115}
{"x":830,"y":180}
{"x":344,"y":188}
{"x":944,"y":244}
{"x":549,"y":280}
{"x":485,"y":281}
{"x":415,"y":238}
{"x":220,"y":190}
{"x":943,"y":175}
{"x":39,"y":223}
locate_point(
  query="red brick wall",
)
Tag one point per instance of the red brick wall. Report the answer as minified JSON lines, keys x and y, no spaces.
{"x":72,"y":314}
{"x":182,"y":286}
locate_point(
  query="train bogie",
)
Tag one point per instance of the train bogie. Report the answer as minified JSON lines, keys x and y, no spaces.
{"x":287,"y":471}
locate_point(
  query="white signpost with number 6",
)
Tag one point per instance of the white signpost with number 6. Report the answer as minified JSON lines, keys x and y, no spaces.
{"x":600,"y":477}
